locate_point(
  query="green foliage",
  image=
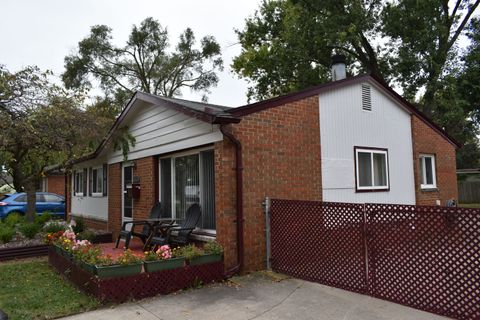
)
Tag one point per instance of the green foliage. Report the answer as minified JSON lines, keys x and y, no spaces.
{"x":287,"y":45}
{"x":43,"y":218}
{"x":6,"y":233}
{"x":32,"y":290}
{"x":86,"y":235}
{"x":54,"y":227}
{"x":144,"y":63}
{"x":14,"y":218}
{"x":89,"y":254}
{"x":122,"y":140}
{"x":30,"y":230}
{"x":42,"y":124}
{"x":188,"y":252}
{"x":79,"y":225}
{"x":128,"y":257}
{"x":213,"y":247}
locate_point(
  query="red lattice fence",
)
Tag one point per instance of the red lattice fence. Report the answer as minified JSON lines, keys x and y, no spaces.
{"x":424,"y":257}
{"x":322,"y":242}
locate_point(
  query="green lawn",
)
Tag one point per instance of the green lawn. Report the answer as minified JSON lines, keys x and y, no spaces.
{"x":32,"y":290}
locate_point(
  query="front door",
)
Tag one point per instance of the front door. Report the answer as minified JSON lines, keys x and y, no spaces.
{"x":127,"y":201}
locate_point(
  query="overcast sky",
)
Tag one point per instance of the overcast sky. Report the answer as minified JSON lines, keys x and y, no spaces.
{"x":43,"y":32}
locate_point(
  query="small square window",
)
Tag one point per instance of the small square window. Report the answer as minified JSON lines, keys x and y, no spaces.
{"x":428,"y":178}
{"x":372,"y":169}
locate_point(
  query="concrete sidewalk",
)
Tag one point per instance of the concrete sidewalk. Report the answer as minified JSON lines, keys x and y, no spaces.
{"x":259,"y":297}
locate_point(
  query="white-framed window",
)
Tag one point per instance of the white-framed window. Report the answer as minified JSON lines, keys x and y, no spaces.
{"x":371,"y":168}
{"x":97,"y":182}
{"x":188,"y":178}
{"x":428,"y":178}
{"x":79,"y":183}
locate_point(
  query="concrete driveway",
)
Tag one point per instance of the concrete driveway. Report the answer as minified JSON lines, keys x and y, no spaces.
{"x":260,"y":297}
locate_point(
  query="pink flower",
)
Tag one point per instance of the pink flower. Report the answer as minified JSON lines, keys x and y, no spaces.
{"x":164,"y":252}
{"x":69,"y":235}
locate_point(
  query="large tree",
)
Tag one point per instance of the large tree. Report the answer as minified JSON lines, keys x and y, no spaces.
{"x":41,"y":125}
{"x":144,"y":63}
{"x":287,"y":45}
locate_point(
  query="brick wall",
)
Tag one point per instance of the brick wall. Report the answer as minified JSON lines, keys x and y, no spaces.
{"x":95,"y":223}
{"x":56,"y":184}
{"x":114,"y":198}
{"x":281,"y":155}
{"x":145,"y":168}
{"x":225,"y":200}
{"x":428,"y":141}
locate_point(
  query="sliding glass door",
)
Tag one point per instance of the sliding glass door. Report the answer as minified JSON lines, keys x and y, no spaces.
{"x":189,"y":179}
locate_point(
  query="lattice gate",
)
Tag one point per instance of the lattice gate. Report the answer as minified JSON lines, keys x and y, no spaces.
{"x":319,"y":241}
{"x":424,"y":257}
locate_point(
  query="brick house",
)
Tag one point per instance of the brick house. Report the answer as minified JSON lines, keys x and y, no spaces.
{"x":54,"y":182}
{"x":351,"y":140}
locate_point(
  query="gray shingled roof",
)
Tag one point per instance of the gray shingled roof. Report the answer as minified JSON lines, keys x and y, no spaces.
{"x":198,"y":106}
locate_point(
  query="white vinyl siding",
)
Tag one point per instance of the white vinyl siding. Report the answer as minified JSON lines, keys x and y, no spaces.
{"x":427,"y":171}
{"x":94,"y":207}
{"x":158,"y":130}
{"x":344,"y":124}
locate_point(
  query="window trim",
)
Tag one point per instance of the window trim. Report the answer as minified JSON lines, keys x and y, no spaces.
{"x":83,"y":192}
{"x":97,"y":194}
{"x":372,"y":150}
{"x":422,"y":170}
{"x":183,"y":153}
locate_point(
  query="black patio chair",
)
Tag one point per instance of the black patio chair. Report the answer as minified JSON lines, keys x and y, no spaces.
{"x":155,"y":213}
{"x":163,"y":233}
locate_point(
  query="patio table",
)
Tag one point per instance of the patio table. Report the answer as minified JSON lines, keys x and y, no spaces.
{"x":157,"y":223}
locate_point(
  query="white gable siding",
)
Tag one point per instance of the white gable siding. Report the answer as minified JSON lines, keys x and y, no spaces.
{"x":95,"y":207}
{"x":343,"y":125}
{"x":159,"y":130}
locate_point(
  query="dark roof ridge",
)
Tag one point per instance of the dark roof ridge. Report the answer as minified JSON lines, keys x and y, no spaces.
{"x":308,"y":92}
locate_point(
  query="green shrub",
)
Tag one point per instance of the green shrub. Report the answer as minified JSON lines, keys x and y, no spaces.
{"x":54,"y":227}
{"x":189,"y":252}
{"x":43,"y":218}
{"x":6,"y":233}
{"x":86,"y":235}
{"x":79,"y":225}
{"x":30,"y":230}
{"x":14,"y":218}
{"x":213,"y":247}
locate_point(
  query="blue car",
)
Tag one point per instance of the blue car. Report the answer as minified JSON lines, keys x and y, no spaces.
{"x":46,"y":202}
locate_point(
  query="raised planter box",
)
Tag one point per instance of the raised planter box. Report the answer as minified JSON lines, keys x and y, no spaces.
{"x":206,"y":258}
{"x":116,"y":271}
{"x":41,"y":249}
{"x":139,"y":286}
{"x":90,"y":268}
{"x":23,"y":252}
{"x":153,"y":266}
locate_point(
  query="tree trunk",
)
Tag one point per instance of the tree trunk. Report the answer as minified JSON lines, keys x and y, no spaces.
{"x":17,"y":177}
{"x":31,"y":201}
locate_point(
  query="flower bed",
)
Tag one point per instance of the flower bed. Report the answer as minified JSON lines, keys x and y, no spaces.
{"x":97,"y":273}
{"x":142,"y":285}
